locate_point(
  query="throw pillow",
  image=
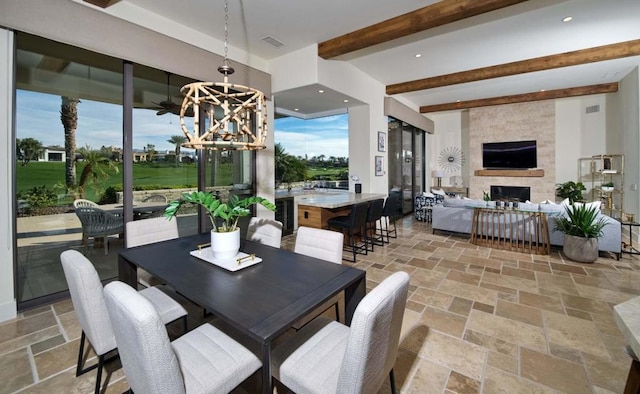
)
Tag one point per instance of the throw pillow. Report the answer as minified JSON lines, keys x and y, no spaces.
{"x":439,"y":192}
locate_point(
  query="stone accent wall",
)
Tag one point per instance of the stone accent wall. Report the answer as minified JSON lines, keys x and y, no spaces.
{"x":514,"y":122}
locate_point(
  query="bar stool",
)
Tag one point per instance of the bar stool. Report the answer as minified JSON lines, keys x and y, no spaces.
{"x":374,"y":214}
{"x":354,"y":223}
{"x":390,"y":213}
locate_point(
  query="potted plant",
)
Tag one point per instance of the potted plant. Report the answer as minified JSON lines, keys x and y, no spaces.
{"x":582,"y":226}
{"x":571,"y":190}
{"x":225,"y":235}
{"x":607,"y":187}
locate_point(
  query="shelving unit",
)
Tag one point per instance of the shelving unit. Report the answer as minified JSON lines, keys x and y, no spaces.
{"x":597,"y":170}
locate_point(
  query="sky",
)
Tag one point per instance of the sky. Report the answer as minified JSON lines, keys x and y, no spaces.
{"x":327,"y":136}
{"x":100,"y":124}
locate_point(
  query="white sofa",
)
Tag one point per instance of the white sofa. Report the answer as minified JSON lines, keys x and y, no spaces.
{"x":455,"y":215}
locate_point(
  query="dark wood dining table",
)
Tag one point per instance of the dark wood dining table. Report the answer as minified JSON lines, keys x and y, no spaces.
{"x":259,"y":302}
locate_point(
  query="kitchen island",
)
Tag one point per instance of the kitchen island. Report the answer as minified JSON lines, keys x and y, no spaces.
{"x":317,"y":210}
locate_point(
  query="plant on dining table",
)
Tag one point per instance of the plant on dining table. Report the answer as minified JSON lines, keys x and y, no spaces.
{"x":223,"y":215}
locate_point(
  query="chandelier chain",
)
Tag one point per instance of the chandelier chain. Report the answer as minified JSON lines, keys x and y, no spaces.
{"x":226,"y":31}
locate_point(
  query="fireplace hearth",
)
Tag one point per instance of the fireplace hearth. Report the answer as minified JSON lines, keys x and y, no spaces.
{"x":510,"y":193}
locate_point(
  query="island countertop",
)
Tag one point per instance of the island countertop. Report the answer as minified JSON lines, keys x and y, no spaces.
{"x":338,"y":200}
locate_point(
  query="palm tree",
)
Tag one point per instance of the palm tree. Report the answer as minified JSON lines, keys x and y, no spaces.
{"x":95,"y":168}
{"x":69,"y":118}
{"x":177,"y":140}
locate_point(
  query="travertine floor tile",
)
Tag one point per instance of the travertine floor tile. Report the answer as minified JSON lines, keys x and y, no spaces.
{"x":497,"y":381}
{"x":574,"y":333}
{"x":455,"y":354}
{"x":560,"y":374}
{"x":428,"y":378}
{"x":15,"y":371}
{"x":469,"y":292}
{"x":508,"y":330}
{"x":461,"y":384}
{"x":611,"y":375}
{"x":444,"y":321}
{"x":518,"y":312}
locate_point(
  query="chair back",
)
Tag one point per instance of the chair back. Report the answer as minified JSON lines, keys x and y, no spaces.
{"x":358,"y":215}
{"x":321,"y":244}
{"x":374,"y":212}
{"x":372,"y":346}
{"x":96,"y":222}
{"x":265,"y":231}
{"x":81,"y":202}
{"x":145,"y":351}
{"x":88,"y":301}
{"x":147,"y":231}
{"x":392,"y":208}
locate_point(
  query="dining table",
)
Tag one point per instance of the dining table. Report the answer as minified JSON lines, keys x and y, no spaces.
{"x":257,"y":303}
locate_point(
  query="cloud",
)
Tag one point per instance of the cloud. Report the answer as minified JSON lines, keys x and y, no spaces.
{"x":327,"y":136}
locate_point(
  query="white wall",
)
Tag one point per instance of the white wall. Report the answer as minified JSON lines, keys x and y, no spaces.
{"x":7,"y":298}
{"x":448,"y":134}
{"x":568,"y":139}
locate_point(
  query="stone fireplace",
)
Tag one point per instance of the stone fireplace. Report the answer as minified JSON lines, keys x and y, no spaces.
{"x":510,"y":193}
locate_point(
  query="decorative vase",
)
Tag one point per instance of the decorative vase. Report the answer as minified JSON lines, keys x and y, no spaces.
{"x":580,"y":249}
{"x":607,"y":188}
{"x":225,"y":245}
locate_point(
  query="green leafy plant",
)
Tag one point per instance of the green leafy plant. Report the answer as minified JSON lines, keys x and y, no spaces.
{"x":581,"y":221}
{"x":608,"y":184}
{"x":39,"y":196}
{"x":224,"y":216}
{"x":486,"y":196}
{"x":571,"y":190}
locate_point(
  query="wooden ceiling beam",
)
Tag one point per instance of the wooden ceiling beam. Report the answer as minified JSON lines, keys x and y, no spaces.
{"x":574,"y":58}
{"x":101,"y":3}
{"x":438,"y":14}
{"x":521,"y":98}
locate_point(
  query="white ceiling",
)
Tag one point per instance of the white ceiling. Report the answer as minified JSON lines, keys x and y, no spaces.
{"x":527,"y":30}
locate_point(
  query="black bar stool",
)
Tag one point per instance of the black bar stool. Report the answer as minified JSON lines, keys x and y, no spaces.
{"x":374,"y":214}
{"x":354,"y":223}
{"x":391,"y":213}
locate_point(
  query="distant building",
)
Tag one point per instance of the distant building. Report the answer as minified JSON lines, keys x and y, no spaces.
{"x":52,"y":153}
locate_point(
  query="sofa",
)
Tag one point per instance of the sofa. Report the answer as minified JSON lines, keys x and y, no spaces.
{"x":455,"y":215}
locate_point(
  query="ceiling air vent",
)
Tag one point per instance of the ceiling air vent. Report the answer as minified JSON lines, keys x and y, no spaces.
{"x":593,"y":108}
{"x":272,"y":41}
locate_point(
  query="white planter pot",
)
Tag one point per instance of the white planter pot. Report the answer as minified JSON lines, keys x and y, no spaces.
{"x":225,"y":245}
{"x":580,"y":249}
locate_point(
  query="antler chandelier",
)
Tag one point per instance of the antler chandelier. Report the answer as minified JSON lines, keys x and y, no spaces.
{"x":236,"y":114}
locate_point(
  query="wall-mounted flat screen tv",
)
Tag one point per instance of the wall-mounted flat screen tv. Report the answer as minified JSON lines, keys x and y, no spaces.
{"x":509,"y":155}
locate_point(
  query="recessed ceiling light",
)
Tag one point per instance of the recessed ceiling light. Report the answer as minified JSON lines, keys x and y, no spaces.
{"x":320,"y":91}
{"x":345,"y":100}
{"x":543,"y":90}
{"x":296,"y":109}
{"x":567,"y":19}
{"x":457,"y":101}
{"x":418,"y":55}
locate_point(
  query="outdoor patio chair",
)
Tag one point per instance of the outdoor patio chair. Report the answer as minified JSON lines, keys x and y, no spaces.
{"x":97,"y":223}
{"x":265,"y":231}
{"x":204,"y":360}
{"x":329,"y":357}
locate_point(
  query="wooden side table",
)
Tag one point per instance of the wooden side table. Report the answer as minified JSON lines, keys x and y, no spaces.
{"x":510,"y":229}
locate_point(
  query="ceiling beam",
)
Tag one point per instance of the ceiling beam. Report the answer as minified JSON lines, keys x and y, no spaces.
{"x":522,"y":98}
{"x":101,"y":3}
{"x":574,"y":58}
{"x":438,"y":14}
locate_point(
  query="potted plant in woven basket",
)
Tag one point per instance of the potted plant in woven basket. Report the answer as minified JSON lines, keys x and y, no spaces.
{"x":225,"y":235}
{"x":582,"y":226}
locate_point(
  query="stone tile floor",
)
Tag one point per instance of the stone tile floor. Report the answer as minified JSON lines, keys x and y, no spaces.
{"x":477,"y":320}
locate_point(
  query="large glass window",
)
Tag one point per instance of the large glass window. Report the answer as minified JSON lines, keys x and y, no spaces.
{"x":312,"y":153}
{"x":69,"y":152}
{"x":68,"y":139}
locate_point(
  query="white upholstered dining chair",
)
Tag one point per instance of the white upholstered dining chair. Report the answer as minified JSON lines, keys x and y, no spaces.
{"x":147,"y":231}
{"x":205,"y":360}
{"x":325,"y":245}
{"x":265,"y":231}
{"x":88,"y":302}
{"x":329,"y":357}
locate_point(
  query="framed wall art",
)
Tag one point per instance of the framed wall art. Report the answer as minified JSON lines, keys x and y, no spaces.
{"x":382,"y":141}
{"x":379,"y":165}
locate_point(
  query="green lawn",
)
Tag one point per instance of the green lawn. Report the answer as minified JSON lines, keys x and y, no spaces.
{"x":52,"y":173}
